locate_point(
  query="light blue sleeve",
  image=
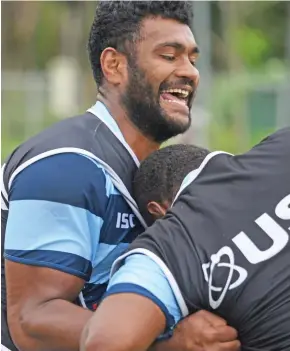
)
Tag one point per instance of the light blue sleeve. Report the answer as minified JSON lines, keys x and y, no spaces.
{"x":56,"y":211}
{"x":141,"y":275}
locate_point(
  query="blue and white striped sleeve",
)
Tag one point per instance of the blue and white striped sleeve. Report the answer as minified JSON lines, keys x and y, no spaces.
{"x":56,"y":211}
{"x":141,"y":275}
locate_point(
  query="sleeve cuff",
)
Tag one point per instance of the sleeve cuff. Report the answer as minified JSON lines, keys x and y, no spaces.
{"x":61,"y":261}
{"x":136,"y":289}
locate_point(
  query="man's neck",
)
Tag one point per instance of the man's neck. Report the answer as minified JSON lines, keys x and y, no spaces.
{"x":141,"y":145}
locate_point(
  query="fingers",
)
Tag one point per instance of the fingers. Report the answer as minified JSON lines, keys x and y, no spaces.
{"x":225,"y":333}
{"x":229,"y":346}
{"x":211,"y":333}
{"x":222,"y":338}
{"x":211,"y":318}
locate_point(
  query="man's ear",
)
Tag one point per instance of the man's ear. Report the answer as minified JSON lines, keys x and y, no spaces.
{"x":157,"y":210}
{"x":114,"y":65}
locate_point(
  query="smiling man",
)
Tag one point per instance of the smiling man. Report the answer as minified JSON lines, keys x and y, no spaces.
{"x":67,"y":191}
{"x":162,"y":78}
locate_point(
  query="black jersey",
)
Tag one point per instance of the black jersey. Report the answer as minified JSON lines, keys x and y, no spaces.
{"x":226,"y":241}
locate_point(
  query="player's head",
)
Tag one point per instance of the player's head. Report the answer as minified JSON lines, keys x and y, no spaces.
{"x":160,"y":175}
{"x":139,"y":52}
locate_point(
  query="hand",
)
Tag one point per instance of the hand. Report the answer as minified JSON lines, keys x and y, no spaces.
{"x":201,"y":331}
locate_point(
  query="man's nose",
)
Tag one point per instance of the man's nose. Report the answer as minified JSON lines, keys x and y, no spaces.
{"x":188,"y":71}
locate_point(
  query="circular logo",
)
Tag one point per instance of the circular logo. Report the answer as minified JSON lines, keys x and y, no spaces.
{"x":213,"y":265}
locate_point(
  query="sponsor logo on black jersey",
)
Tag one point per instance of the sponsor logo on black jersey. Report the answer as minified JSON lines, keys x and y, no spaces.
{"x":225,"y":256}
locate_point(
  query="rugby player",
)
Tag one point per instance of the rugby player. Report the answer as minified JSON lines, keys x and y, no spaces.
{"x":223,"y":246}
{"x":67,"y":191}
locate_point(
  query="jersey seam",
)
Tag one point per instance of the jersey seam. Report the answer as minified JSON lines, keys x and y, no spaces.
{"x":72,"y":271}
{"x":140,"y":290}
{"x":62,"y":203}
{"x":116,"y":180}
{"x":166,"y":271}
{"x":196,"y":173}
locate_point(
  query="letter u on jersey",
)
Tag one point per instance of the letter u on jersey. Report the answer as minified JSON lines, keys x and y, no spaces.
{"x":279,"y":236}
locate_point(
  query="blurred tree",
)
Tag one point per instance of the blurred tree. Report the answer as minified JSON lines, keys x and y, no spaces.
{"x":250,"y":49}
{"x":36,"y":31}
{"x":249,"y":32}
{"x":248,"y":44}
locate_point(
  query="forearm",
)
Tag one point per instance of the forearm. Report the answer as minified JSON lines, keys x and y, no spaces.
{"x":175,"y":343}
{"x":165,"y":345}
{"x":53,"y":326}
{"x":123,"y":322}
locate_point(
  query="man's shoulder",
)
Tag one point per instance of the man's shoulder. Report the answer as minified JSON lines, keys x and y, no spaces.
{"x":72,"y":131}
{"x":67,"y":178}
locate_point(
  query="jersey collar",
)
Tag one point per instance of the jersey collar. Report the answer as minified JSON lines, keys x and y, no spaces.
{"x":101,"y":111}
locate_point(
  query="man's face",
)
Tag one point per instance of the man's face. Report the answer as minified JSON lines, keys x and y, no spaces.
{"x":162,"y":79}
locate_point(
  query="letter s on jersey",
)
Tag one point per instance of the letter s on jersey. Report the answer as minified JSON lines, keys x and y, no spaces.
{"x":282,"y":210}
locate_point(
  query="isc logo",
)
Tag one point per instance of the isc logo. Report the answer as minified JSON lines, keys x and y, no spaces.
{"x":125,"y":220}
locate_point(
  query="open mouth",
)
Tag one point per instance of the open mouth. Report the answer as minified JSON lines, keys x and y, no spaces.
{"x":178,"y":96}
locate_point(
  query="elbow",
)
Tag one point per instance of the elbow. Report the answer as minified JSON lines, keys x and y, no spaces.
{"x":97,"y":341}
{"x":101,"y":343}
{"x":90,"y":345}
{"x":96,"y":344}
{"x":90,"y":342}
{"x":18,"y":329}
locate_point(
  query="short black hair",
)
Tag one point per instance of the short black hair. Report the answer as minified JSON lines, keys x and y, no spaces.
{"x":161,"y":174}
{"x":117,"y":23}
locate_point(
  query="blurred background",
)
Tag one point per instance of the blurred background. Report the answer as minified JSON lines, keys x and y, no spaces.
{"x":244,"y":65}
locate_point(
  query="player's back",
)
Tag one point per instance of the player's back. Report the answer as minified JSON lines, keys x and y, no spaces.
{"x":257,"y":228}
{"x":227,"y":241}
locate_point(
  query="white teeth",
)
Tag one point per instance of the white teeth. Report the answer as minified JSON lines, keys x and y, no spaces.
{"x":184,"y":93}
{"x":180,"y":102}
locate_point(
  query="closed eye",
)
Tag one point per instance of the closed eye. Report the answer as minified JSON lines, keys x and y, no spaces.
{"x":168,"y":57}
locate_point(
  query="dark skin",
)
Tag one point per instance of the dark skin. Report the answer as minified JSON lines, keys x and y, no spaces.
{"x":161,"y":60}
{"x":130,"y":322}
{"x":41,"y":315}
{"x":158,"y":210}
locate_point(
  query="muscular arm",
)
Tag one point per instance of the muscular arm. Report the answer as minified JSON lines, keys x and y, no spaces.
{"x":52,"y":235}
{"x":128,"y":322}
{"x":41,"y":313}
{"x":124,"y":322}
{"x":141,"y":306}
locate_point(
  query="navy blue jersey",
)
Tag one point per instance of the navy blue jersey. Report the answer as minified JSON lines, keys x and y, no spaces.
{"x":66,"y":201}
{"x":66,"y":214}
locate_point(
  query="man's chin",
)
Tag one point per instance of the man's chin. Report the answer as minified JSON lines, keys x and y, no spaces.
{"x":179,"y":122}
{"x":174,"y":108}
